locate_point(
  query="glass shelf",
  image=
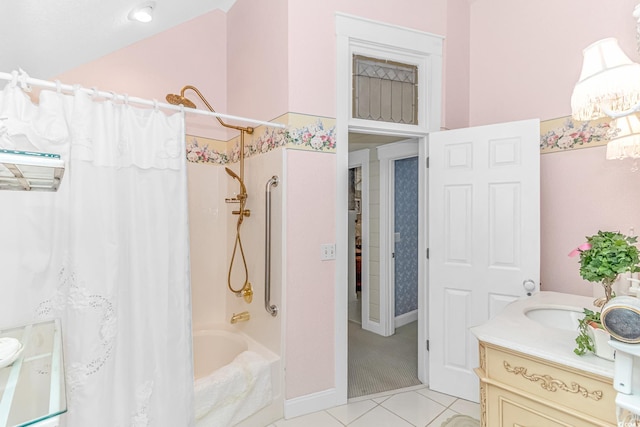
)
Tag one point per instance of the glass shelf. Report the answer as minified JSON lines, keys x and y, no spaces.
{"x":32,"y":389}
{"x":30,"y":171}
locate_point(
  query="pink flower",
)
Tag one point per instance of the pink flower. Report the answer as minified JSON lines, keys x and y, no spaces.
{"x":306,"y":137}
{"x":583,"y":247}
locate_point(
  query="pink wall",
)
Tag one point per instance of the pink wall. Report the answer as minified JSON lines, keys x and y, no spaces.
{"x":312,"y":43}
{"x":310,"y":303}
{"x":456,"y":65}
{"x":525,"y":59}
{"x":257,"y":60}
{"x":584,"y":193}
{"x":191,"y":53}
{"x":526,"y":55}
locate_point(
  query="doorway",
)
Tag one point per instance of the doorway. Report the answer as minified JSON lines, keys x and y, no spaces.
{"x":357,"y":36}
{"x":377,"y":360}
{"x":399,"y":223}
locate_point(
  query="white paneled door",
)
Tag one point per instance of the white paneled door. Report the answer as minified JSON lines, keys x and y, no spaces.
{"x":484,"y":239}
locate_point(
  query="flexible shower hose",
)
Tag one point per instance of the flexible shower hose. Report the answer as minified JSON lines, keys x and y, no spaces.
{"x":238,"y":244}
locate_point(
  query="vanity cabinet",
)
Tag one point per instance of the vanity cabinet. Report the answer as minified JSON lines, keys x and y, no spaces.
{"x":518,"y":389}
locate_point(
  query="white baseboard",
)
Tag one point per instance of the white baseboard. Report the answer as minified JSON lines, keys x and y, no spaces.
{"x":310,"y":403}
{"x":374,"y":327}
{"x":405,"y":319}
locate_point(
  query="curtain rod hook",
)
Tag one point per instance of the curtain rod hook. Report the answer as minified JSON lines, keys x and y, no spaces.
{"x":22,"y":79}
{"x":14,"y":78}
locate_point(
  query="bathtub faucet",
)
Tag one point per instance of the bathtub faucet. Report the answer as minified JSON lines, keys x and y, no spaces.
{"x":240,"y":317}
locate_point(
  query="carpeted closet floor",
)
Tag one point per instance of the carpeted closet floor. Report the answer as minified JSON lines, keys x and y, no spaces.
{"x":378,"y":364}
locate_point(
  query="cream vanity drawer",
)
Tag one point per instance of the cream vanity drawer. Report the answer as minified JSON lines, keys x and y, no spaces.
{"x":513,"y":410}
{"x":577,"y":394}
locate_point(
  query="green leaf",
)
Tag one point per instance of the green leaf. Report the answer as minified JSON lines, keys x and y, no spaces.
{"x":584,"y":343}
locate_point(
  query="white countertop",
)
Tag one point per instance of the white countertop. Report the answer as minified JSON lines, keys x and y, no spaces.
{"x":513,"y":330}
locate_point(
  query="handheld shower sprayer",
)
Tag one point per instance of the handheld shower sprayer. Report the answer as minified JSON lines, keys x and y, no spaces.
{"x":243,"y":189}
{"x":245,"y":291}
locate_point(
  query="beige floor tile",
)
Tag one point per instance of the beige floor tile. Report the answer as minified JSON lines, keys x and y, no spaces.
{"x":467,"y":408}
{"x":381,"y":399}
{"x":380,"y":417}
{"x":414,"y":407}
{"x":441,"y":398}
{"x":442,"y":418}
{"x":316,"y":419}
{"x":351,"y":411}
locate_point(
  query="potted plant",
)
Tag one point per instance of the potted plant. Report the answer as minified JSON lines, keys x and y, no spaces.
{"x":603,"y":258}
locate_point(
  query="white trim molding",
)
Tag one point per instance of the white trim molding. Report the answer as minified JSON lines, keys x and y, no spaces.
{"x":405,"y":319}
{"x":310,"y":403}
{"x":357,"y":35}
{"x":360,"y":158}
{"x":387,"y":155}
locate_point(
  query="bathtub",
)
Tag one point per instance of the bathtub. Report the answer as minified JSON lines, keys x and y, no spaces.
{"x":215,"y":348}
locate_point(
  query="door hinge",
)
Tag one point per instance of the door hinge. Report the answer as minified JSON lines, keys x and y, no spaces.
{"x":427,"y":163}
{"x":427,"y":345}
{"x":427,"y":253}
{"x":393,"y":254}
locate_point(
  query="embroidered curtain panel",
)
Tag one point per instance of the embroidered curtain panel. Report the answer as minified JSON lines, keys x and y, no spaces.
{"x":107,"y":254}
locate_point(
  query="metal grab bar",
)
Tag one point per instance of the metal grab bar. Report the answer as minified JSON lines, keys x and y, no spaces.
{"x":271,"y":309}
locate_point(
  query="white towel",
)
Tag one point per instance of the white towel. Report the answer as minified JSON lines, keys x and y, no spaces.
{"x":233,"y":392}
{"x":8,"y":348}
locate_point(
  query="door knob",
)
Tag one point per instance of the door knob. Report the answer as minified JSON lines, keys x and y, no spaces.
{"x":529,"y":286}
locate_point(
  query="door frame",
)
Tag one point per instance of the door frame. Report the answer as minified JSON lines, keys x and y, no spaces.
{"x":360,"y":158}
{"x":360,"y":35}
{"x":387,"y":155}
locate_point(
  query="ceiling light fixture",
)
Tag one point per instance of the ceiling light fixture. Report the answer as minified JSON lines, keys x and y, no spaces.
{"x":143,"y":12}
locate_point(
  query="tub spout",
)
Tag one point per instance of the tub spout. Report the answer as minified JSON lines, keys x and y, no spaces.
{"x":240,"y":317}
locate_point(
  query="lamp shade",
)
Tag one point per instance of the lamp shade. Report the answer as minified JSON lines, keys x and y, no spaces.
{"x":609,"y":82}
{"x":626,"y":143}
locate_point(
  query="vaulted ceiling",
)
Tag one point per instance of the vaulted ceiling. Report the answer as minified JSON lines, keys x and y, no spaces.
{"x":47,"y":38}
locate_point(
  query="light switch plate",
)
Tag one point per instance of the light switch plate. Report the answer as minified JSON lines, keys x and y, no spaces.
{"x":327,"y":251}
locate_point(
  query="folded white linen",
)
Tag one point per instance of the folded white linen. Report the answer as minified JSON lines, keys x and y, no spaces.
{"x":9,"y":347}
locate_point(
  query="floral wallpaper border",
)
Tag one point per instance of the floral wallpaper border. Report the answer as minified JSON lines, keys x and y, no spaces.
{"x":319,"y":134}
{"x":303,"y":133}
{"x":565,"y":133}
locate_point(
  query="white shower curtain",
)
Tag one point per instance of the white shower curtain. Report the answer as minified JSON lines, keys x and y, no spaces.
{"x":107,"y":254}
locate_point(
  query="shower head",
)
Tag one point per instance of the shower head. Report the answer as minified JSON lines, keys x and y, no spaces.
{"x":181,"y":99}
{"x":234,"y":175}
{"x":174,"y":99}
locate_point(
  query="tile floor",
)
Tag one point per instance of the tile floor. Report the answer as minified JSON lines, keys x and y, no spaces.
{"x":410,"y":407}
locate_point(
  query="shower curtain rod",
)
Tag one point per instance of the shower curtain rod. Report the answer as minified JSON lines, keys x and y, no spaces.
{"x":24,"y":81}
